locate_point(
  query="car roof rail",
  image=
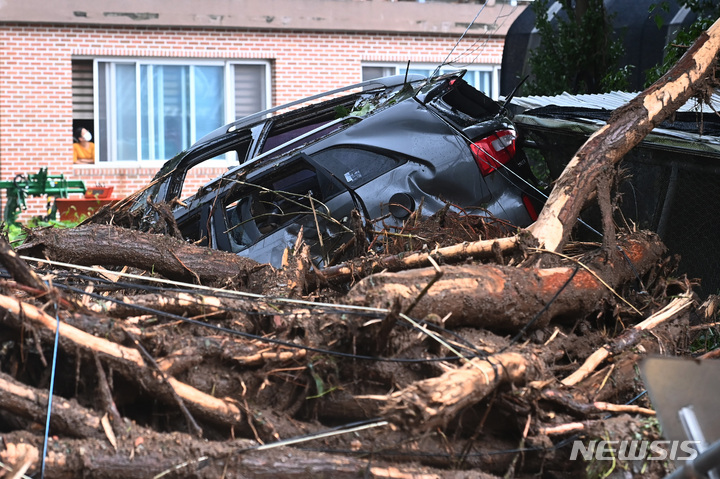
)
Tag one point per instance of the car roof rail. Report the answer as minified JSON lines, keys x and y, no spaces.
{"x":387,"y":82}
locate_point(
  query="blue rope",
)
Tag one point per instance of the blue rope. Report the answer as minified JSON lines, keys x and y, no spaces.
{"x":50,"y":393}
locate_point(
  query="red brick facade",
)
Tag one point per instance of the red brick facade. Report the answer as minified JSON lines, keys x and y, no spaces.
{"x":36,"y":95}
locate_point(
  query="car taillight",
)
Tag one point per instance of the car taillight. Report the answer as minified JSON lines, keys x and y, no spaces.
{"x":494,"y":150}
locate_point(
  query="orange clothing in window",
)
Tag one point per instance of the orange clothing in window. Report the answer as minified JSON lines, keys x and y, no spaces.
{"x":84,"y":154}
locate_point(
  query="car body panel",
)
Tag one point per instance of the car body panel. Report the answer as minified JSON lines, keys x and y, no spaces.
{"x":402,"y":145}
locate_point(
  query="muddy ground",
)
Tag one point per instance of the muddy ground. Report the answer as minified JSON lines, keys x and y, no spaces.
{"x":167,"y":380}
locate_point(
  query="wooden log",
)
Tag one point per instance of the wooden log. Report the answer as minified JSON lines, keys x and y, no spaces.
{"x":505,"y":299}
{"x":125,"y":360}
{"x":109,"y":245}
{"x":433,"y":402}
{"x":628,"y":125}
{"x":174,"y":455}
{"x":181,"y":304}
{"x":67,"y":418}
{"x":365,"y":266}
{"x":19,"y":269}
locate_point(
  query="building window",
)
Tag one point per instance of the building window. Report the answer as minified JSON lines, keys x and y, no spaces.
{"x":485,"y":78}
{"x":152,"y":110}
{"x":82,"y":93}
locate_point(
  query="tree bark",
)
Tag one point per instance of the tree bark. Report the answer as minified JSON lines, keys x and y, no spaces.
{"x":178,"y":303}
{"x":127,"y":361}
{"x":109,"y":245}
{"x":18,"y":268}
{"x":173,"y":455}
{"x":433,"y":402}
{"x":68,"y":417}
{"x":369,"y":265}
{"x":628,"y":125}
{"x":505,"y":299}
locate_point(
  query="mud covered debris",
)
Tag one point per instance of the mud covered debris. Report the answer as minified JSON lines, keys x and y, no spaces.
{"x":159,"y":378}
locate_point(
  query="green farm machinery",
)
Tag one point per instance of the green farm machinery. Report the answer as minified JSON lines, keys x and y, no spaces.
{"x":39,"y":184}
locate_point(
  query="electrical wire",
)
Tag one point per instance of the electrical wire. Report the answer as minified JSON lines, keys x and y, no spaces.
{"x":437,"y":70}
{"x":421,"y":454}
{"x":345,"y":429}
{"x":50,"y":391}
{"x":476,"y":47}
{"x":242,"y":294}
{"x":256,"y":337}
{"x":537,"y":315}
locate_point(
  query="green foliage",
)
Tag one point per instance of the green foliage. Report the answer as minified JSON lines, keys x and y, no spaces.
{"x":707,"y":340}
{"x":707,"y":12}
{"x":539,"y":167}
{"x":663,"y":6}
{"x":575,"y":55}
{"x":322,"y":370}
{"x":16,"y":233}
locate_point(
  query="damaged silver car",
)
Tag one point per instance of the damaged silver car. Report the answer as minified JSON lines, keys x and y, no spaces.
{"x":375,"y":151}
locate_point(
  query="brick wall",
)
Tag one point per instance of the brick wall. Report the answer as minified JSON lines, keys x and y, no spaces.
{"x":36,"y":96}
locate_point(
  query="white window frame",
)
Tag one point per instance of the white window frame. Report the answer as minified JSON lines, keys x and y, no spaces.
{"x":494,"y":71}
{"x":228,"y":98}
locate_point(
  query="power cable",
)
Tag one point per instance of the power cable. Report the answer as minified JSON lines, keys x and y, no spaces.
{"x":50,"y":391}
{"x":256,"y":337}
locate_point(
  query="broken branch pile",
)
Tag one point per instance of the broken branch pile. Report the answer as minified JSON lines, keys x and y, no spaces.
{"x":426,"y":378}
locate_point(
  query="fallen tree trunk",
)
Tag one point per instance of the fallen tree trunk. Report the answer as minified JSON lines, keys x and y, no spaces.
{"x":628,"y":125}
{"x":68,"y":417}
{"x":109,"y":245}
{"x":505,"y":299}
{"x":126,"y":360}
{"x":175,"y":455}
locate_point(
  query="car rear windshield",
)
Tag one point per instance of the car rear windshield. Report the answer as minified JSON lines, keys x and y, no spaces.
{"x":470,"y":101}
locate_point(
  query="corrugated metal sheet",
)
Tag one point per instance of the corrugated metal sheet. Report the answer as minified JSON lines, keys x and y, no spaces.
{"x":601,"y":101}
{"x":608,"y":102}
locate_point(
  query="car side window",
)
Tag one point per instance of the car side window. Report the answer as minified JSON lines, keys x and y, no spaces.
{"x":196,"y":177}
{"x":355,"y":166}
{"x":189,"y":173}
{"x":301,"y":128}
{"x":194,"y":226}
{"x":242,"y":231}
{"x":190,"y":229}
{"x":254,"y":210}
